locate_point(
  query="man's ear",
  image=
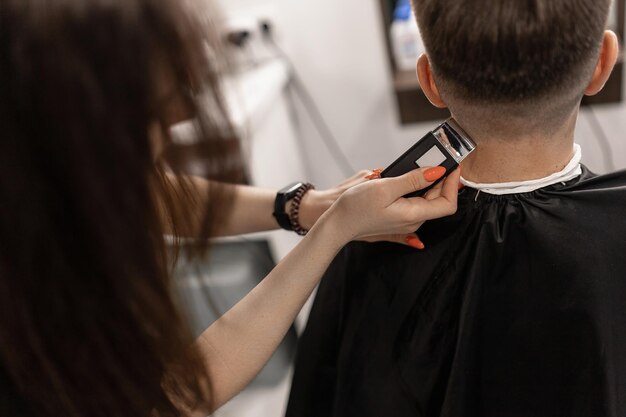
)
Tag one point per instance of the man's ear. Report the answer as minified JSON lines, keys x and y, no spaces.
{"x":429,"y":86}
{"x":606,"y":63}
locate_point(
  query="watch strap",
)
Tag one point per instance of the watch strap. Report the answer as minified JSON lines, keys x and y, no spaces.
{"x":294,"y":213}
{"x":282,"y":197}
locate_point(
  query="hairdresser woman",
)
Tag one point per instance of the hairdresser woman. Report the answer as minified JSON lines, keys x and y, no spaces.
{"x":89,"y":185}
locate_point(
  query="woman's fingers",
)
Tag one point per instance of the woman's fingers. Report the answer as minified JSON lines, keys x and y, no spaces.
{"x":450,"y":187}
{"x":414,"y":181}
{"x":378,"y":207}
{"x":410,"y":239}
{"x":414,"y":241}
{"x":445,"y":204}
{"x":356,"y":179}
{"x":315,"y":203}
{"x":375,"y":174}
{"x":434,"y":192}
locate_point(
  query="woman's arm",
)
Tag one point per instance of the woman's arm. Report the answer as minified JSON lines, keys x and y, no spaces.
{"x":239,"y":344}
{"x":253,"y":206}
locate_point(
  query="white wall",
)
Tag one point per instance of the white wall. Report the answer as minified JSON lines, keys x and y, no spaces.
{"x":338,"y":49}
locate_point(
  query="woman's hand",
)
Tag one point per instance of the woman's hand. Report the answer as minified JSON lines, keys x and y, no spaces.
{"x":316,"y":202}
{"x":376,"y":210}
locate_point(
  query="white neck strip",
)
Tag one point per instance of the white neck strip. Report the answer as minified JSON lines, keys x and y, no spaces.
{"x":572,"y":170}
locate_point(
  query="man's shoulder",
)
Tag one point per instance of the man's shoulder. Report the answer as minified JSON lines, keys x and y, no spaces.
{"x":611,"y":182}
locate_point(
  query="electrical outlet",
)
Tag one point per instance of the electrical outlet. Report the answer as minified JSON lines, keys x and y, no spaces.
{"x":247,"y":34}
{"x":249,"y":16}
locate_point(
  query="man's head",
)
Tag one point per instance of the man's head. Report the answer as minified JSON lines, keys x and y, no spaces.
{"x":525,"y":59}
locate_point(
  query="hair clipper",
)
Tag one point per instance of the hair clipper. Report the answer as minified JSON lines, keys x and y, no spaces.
{"x":447,"y":146}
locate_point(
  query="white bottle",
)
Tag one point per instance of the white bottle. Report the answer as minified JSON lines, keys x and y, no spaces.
{"x":405,"y":37}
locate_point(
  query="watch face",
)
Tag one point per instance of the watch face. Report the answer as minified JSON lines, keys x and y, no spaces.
{"x":291,"y":189}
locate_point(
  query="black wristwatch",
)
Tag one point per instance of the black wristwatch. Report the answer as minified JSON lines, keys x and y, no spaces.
{"x":283,"y":196}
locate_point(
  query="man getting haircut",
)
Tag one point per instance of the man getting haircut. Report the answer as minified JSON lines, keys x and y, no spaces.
{"x":517,"y":306}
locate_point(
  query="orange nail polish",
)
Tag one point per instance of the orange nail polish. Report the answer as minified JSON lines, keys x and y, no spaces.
{"x":433,"y":174}
{"x":461,"y":186}
{"x":415,"y":242}
{"x":375,"y":174}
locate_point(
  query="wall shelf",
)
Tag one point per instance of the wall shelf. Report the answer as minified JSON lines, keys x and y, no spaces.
{"x":414,"y":107}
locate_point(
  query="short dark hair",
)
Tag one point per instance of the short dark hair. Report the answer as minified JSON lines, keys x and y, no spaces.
{"x":501,"y":51}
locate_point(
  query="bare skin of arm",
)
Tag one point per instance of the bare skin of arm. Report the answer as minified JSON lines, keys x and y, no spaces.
{"x":238,"y":345}
{"x":253,"y":206}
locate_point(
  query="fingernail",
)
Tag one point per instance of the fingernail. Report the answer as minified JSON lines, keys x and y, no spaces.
{"x":415,"y":242}
{"x":433,"y":174}
{"x":461,"y":186}
{"x":375,"y":174}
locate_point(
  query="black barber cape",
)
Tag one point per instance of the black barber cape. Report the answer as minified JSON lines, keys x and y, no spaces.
{"x":517,"y":308}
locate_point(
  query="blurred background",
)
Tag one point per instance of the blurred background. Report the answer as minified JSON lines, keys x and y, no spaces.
{"x":322,"y":89}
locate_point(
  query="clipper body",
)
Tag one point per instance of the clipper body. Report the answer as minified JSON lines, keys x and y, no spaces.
{"x":447,"y":146}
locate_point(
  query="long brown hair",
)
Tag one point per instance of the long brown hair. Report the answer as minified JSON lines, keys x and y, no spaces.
{"x":88,"y":326}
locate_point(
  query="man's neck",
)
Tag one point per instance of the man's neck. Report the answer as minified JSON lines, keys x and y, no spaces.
{"x":521,"y":158}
